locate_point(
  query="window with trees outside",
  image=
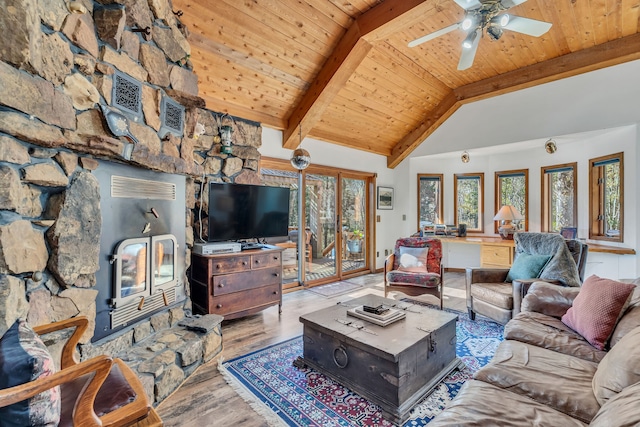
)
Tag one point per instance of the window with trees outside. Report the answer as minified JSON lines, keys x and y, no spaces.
{"x":430,"y":199}
{"x":512,"y":188}
{"x":468,"y":202}
{"x":606,"y":204}
{"x":559,"y":197}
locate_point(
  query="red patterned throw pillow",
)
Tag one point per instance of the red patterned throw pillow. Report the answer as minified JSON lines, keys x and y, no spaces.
{"x":596,"y":309}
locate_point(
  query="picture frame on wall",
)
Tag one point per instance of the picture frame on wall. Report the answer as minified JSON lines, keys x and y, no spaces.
{"x":385,"y":198}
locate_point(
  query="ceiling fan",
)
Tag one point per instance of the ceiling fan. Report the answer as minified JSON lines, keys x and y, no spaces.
{"x":486,"y":15}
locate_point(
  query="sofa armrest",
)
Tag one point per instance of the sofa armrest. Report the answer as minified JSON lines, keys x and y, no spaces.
{"x":551,"y":300}
{"x":521,"y":288}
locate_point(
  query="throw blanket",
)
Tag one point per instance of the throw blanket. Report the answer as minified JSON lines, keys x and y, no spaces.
{"x":561,"y":266}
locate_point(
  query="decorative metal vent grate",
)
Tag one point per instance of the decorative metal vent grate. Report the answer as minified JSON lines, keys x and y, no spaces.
{"x":135,"y":188}
{"x":172,"y":115}
{"x":127,"y":95}
{"x":131,"y":312}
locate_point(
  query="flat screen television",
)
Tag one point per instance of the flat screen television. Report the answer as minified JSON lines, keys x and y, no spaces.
{"x":238,"y":211}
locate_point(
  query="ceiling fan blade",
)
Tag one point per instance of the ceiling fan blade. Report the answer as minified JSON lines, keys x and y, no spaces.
{"x":467,"y":56}
{"x":531,"y":27}
{"x":469,"y":4}
{"x":433,"y":35}
{"x":511,"y":3}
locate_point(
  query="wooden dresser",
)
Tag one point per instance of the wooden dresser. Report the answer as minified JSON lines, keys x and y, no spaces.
{"x":237,"y":284}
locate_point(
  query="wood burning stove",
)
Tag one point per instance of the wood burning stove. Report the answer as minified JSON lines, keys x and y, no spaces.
{"x":142,"y":245}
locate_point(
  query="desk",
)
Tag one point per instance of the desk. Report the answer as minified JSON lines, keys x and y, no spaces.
{"x":497,"y":252}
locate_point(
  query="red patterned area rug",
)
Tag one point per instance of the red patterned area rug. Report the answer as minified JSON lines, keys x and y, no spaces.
{"x":288,"y":396}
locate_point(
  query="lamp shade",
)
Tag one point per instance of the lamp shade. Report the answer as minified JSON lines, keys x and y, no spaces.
{"x":507,"y":213}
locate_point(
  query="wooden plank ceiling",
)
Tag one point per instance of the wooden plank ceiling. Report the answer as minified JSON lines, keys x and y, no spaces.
{"x":341,"y":71}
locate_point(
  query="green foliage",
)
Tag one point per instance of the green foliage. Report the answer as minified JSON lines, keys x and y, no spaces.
{"x":469,"y":202}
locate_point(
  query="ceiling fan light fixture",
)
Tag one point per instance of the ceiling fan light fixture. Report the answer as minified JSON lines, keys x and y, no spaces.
{"x":504,"y":20}
{"x":467,"y":23}
{"x":468,"y":42}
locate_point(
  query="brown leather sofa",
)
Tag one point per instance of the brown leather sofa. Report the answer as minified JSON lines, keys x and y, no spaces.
{"x":545,"y":374}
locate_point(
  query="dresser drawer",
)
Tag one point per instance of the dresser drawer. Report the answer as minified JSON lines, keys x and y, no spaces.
{"x":230,"y":265}
{"x":266,"y":260}
{"x":495,"y":256}
{"x":241,"y":301}
{"x":239,"y":282}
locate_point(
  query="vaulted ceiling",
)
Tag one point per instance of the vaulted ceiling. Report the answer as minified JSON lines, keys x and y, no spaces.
{"x":341,"y":71}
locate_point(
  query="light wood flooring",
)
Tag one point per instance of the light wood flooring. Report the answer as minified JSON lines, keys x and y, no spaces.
{"x":205,"y":399}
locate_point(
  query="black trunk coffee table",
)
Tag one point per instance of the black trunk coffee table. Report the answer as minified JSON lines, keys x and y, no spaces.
{"x":394,"y":366}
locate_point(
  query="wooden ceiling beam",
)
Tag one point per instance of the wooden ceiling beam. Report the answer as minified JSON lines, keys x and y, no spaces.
{"x":601,"y":56}
{"x":373,"y":25}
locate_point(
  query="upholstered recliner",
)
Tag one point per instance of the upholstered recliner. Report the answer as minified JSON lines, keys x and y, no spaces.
{"x":415,"y":267}
{"x":490,"y":293}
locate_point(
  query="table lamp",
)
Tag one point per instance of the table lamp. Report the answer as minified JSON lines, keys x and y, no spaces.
{"x":506,"y":215}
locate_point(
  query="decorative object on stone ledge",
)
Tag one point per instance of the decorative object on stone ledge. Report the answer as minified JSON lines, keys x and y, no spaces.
{"x":119,"y":126}
{"x":225,"y":137}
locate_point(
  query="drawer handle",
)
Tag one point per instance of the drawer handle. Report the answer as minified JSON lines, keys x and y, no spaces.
{"x":221,"y":285}
{"x":218,"y":266}
{"x":276,"y":274}
{"x":276,"y":258}
{"x":219,"y":306}
{"x":244,"y":262}
{"x":257,"y":261}
{"x":275,"y":292}
{"x":340,"y":357}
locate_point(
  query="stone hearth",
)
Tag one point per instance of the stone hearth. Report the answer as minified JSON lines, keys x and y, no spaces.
{"x":57,"y":69}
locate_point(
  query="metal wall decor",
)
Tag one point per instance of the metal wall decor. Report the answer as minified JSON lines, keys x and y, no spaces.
{"x":126,"y":95}
{"x":171,"y":118}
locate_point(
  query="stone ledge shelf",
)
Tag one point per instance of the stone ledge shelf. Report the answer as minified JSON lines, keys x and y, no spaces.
{"x":165,"y":349}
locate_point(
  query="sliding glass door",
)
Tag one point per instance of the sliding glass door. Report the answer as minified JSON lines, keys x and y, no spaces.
{"x":337,"y":222}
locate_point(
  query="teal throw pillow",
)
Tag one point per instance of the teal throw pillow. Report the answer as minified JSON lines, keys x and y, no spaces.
{"x":527,"y":266}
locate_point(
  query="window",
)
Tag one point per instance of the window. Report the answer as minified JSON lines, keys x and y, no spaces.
{"x":559,"y":197}
{"x":512,"y":188}
{"x":606,"y":198}
{"x":430,"y":199}
{"x":468,"y":201}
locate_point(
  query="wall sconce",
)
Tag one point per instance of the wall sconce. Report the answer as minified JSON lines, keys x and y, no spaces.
{"x":77,"y":7}
{"x":550,"y":146}
{"x":225,"y":138}
{"x":465,"y":157}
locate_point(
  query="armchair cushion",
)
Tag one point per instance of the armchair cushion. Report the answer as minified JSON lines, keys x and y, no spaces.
{"x":24,"y":358}
{"x":597,"y":308}
{"x":527,"y":266}
{"x":424,"y":279}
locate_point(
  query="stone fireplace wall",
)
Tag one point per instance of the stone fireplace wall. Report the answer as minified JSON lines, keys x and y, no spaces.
{"x":56,"y":68}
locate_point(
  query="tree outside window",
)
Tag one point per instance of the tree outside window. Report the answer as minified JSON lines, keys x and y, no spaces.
{"x":606,"y":198}
{"x":430,"y":199}
{"x":512,"y":188}
{"x":559,"y":197}
{"x":468,"y":201}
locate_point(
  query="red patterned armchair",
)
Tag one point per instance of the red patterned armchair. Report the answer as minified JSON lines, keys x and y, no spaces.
{"x":415,"y":267}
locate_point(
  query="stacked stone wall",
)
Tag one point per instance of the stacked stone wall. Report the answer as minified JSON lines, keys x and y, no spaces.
{"x":56,"y":69}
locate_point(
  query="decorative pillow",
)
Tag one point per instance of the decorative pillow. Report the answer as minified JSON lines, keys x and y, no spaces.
{"x":597,"y":308}
{"x":619,"y":369}
{"x":413,"y":259}
{"x":24,"y":358}
{"x":527,"y":266}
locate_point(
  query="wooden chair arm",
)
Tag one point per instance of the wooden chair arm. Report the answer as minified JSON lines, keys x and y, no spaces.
{"x":133,"y":411}
{"x":80,"y":324}
{"x":84,"y":414}
{"x":388,"y":265}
